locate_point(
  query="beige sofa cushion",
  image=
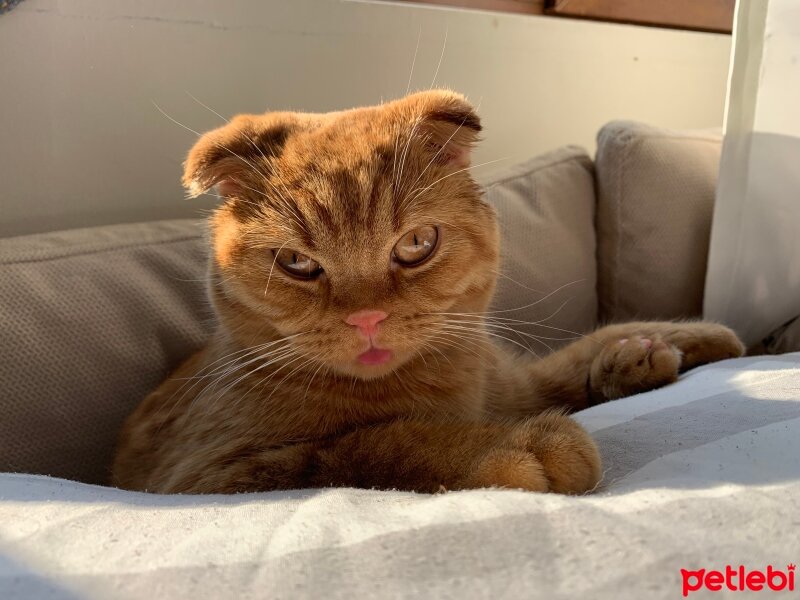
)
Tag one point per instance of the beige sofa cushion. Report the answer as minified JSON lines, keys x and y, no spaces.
{"x":94,"y":319}
{"x":655,"y":197}
{"x":91,"y":321}
{"x":546,"y":208}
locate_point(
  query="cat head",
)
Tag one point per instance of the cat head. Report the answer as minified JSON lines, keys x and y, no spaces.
{"x":352,"y":234}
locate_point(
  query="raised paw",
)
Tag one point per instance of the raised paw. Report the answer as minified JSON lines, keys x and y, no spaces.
{"x":632,"y":365}
{"x":701,"y":343}
{"x":548,"y":453}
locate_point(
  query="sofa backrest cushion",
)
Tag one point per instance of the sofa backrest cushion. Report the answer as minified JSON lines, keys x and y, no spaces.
{"x":546,"y":208}
{"x":655,"y":198}
{"x":91,"y":320}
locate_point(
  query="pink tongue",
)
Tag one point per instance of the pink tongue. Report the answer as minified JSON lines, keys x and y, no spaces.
{"x":374,"y":356}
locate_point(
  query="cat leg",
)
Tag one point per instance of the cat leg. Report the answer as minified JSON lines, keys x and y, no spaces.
{"x":620,"y":360}
{"x":637,"y":357}
{"x":547,"y":453}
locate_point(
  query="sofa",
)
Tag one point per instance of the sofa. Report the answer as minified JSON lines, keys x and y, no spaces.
{"x":701,"y":474}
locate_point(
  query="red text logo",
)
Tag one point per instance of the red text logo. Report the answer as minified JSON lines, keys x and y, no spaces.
{"x":738,"y":579}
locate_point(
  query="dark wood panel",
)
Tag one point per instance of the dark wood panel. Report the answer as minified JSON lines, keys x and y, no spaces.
{"x":528,"y":7}
{"x":702,"y":15}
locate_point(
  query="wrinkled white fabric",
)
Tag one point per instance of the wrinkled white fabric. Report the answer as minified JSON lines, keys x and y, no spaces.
{"x":701,"y":474}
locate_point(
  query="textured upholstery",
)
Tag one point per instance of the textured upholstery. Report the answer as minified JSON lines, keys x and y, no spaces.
{"x":91,"y":321}
{"x":547,"y":210}
{"x":655,"y":199}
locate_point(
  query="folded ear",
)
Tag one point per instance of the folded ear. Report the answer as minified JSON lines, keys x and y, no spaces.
{"x":449,"y":124}
{"x":234,"y":157}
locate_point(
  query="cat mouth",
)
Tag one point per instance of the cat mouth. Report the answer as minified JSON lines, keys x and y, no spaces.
{"x":374,"y":356}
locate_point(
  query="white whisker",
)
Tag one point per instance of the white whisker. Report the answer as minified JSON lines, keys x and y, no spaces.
{"x":244,"y":160}
{"x":417,"y":193}
{"x":465,"y":329}
{"x":274,"y":259}
{"x":414,"y":62}
{"x":441,"y":57}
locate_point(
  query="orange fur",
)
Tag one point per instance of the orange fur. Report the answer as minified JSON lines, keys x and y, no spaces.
{"x":279,"y":397}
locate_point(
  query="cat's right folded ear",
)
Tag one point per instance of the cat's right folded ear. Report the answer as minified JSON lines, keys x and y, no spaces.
{"x":449,"y":125}
{"x":234,"y":157}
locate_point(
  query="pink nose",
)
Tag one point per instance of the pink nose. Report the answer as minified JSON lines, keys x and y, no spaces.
{"x":366,"y":320}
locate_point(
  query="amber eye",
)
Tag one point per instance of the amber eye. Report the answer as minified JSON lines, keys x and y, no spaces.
{"x":416,"y":245}
{"x":296,"y":264}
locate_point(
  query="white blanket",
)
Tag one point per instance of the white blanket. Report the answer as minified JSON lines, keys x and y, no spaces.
{"x":700,"y":475}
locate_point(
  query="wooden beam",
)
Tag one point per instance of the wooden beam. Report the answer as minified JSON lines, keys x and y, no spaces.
{"x":527,"y":7}
{"x":701,"y":15}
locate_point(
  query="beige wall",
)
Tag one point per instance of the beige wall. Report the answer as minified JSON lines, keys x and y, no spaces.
{"x":81,"y":142}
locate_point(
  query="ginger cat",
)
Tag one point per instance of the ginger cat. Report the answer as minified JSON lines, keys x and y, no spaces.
{"x":353,"y":262}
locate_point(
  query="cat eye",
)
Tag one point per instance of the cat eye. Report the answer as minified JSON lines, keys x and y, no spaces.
{"x":416,"y":246}
{"x":297,"y":264}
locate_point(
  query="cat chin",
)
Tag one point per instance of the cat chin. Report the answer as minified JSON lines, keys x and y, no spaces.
{"x":366,"y":372}
{"x":370,"y":372}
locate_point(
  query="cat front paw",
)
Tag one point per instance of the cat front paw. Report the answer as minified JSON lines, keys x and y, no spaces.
{"x":548,"y":453}
{"x":631,"y":366}
{"x":701,"y":343}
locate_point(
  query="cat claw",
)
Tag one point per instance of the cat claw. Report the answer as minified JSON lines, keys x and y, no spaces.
{"x":646,"y":343}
